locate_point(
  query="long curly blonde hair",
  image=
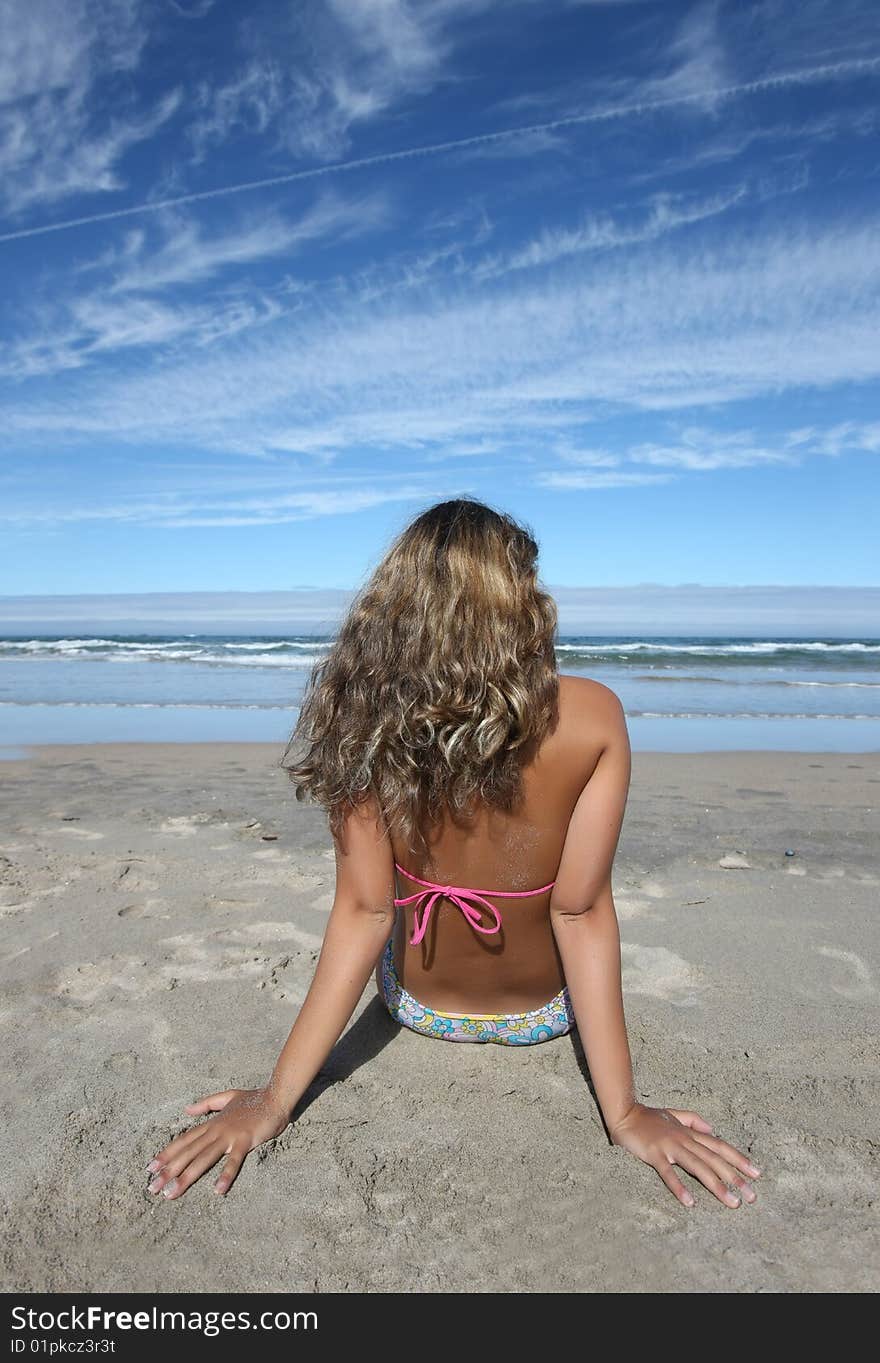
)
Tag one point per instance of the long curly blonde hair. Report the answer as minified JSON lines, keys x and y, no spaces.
{"x":442,"y":679}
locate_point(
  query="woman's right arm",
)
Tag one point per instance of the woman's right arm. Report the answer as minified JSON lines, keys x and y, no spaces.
{"x":586,"y":931}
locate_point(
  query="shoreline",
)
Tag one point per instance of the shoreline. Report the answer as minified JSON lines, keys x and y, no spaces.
{"x":32,"y":752}
{"x":71,"y":726}
{"x":24,"y":752}
{"x":267,"y":744}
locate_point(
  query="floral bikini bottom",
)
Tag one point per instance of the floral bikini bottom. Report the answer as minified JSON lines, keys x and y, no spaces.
{"x":506,"y":1029}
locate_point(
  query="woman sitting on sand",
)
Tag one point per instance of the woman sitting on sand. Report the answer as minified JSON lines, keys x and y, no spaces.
{"x":451,"y":756}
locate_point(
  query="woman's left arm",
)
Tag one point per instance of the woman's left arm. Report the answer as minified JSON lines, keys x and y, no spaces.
{"x":585,"y":927}
{"x":358,"y":929}
{"x":589,"y":945}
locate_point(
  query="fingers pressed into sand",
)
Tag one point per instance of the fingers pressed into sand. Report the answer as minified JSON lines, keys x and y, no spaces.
{"x":731,"y":1154}
{"x":696,"y":1165}
{"x":691,"y":1119}
{"x":673,"y":1182}
{"x":725,"y":1171}
{"x":174,"y":1148}
{"x":198,"y":1164}
{"x":231,"y":1169}
{"x":172,"y":1165}
{"x":215,"y":1102}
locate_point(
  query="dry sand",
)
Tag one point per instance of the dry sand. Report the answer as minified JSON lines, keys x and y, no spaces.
{"x":156,"y":947}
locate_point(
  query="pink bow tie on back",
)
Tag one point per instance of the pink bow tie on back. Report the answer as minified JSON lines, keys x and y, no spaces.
{"x":425,"y":900}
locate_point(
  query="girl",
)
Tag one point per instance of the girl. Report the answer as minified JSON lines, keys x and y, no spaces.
{"x":475,"y":798}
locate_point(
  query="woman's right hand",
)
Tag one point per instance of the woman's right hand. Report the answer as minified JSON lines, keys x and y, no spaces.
{"x":247,"y":1118}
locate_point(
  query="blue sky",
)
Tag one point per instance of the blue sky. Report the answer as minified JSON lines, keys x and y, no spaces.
{"x":613,"y":267}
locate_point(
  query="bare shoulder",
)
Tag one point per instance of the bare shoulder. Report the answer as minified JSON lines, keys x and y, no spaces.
{"x":591,"y":720}
{"x":584,"y":876}
{"x":589,"y":700}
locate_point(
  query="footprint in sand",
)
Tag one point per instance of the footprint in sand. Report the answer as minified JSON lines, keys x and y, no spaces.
{"x":288,"y":877}
{"x":735,"y":861}
{"x":282,"y":983}
{"x":150,"y":908}
{"x":183,"y":825}
{"x":115,"y":975}
{"x":129,"y":876}
{"x":799,"y":1171}
{"x":120,"y":1062}
{"x":630,"y":908}
{"x":120,"y":977}
{"x":259,"y":933}
{"x":860,"y":985}
{"x":7,"y":910}
{"x":195,"y":958}
{"x":224,"y":902}
{"x":660,"y":974}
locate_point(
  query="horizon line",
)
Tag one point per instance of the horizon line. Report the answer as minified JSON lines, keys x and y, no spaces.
{"x":547,"y":586}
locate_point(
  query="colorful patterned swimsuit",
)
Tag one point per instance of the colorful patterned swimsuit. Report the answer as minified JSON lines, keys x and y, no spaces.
{"x":507,"y":1029}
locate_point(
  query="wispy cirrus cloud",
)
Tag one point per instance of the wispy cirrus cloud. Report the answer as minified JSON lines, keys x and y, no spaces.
{"x":53,"y":141}
{"x":247,"y":103}
{"x":653,"y":329}
{"x":845,"y":437}
{"x":696,"y":60}
{"x":180,"y":513}
{"x":665,"y":213}
{"x":697,"y":448}
{"x":780,"y":136}
{"x":313,"y":76}
{"x":640,"y":107}
{"x":92,"y":325}
{"x":188,"y":254}
{"x":564,"y":481}
{"x":537,"y":142}
{"x":70,"y":326}
{"x":192,"y":9}
{"x":47,"y":46}
{"x":704,"y":449}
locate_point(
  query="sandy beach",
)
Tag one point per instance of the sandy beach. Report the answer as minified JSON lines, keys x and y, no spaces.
{"x":162,"y":907}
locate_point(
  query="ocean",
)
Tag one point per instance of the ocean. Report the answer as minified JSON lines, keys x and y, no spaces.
{"x":680,"y":694}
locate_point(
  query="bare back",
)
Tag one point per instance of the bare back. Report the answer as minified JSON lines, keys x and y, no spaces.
{"x":457,"y":969}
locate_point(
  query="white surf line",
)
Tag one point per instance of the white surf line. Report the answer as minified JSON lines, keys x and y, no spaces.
{"x":777,"y":80}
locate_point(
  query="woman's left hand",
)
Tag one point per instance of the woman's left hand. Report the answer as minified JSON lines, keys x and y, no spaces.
{"x":664,"y":1137}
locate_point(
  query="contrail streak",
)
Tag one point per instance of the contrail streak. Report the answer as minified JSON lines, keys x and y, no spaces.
{"x":778,"y":80}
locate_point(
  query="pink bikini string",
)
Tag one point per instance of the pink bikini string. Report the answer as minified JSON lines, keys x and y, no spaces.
{"x":426,"y":899}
